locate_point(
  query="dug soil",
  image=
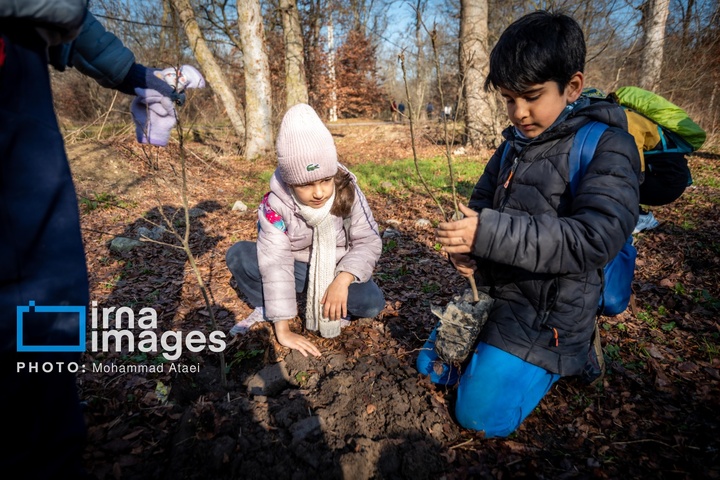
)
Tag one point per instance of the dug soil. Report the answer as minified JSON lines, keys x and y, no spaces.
{"x":361,"y":410}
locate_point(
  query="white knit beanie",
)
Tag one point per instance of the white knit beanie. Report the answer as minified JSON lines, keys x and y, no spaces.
{"x":305,"y":148}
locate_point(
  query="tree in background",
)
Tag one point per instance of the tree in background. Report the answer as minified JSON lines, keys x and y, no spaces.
{"x":655,"y":14}
{"x":295,"y":84}
{"x":205,"y":58}
{"x":474,"y":57}
{"x":615,"y":31}
{"x":423,"y":66}
{"x":359,"y":91}
{"x":258,"y":92}
{"x":313,"y":15}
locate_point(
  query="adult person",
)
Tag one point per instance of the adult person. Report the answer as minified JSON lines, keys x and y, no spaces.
{"x":42,"y":259}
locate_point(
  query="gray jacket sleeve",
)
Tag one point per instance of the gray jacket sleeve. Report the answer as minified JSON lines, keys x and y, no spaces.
{"x":100,"y":55}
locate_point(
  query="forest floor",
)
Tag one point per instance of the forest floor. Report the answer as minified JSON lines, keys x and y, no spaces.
{"x":361,"y":410}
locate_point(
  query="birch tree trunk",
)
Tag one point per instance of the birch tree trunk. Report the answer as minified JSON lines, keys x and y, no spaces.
{"x":474,"y":57}
{"x":258,"y":104}
{"x":295,"y":84}
{"x":210,"y":68}
{"x":655,"y":13}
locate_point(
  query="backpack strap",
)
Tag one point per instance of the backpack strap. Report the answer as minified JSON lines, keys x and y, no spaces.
{"x":583,"y":151}
{"x":505,"y":151}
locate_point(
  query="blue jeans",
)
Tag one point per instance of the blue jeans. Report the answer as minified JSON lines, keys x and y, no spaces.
{"x":496,"y":391}
{"x":364,"y":299}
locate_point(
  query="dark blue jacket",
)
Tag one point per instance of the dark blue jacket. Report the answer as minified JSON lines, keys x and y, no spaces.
{"x":96,"y":53}
{"x":540,"y":248}
{"x":41,"y":251}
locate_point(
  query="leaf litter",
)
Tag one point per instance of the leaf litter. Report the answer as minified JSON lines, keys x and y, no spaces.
{"x":361,"y":410}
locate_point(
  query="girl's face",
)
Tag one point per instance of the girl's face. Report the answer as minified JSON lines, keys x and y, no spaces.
{"x":315,"y":194}
{"x":535,"y":109}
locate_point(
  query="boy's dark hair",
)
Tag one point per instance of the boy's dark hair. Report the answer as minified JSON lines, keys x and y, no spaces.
{"x":344,"y":194}
{"x":537,"y":48}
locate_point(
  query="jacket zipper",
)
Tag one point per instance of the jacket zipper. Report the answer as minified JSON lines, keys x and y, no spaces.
{"x":512,"y":173}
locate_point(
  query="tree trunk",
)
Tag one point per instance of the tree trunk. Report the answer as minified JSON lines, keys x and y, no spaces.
{"x":333,"y":114}
{"x":295,"y":84}
{"x":655,"y":14}
{"x":258,"y":94}
{"x":474,"y":56}
{"x":422,"y":73}
{"x":211,"y":70}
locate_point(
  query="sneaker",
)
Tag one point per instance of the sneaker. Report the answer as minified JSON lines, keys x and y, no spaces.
{"x":345,"y":321}
{"x":258,"y":315}
{"x":646,"y":221}
{"x":595,"y":367}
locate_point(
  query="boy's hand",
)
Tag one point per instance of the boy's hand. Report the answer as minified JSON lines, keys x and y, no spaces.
{"x":459,"y":236}
{"x":463,"y":263}
{"x":335,"y":299}
{"x":288,"y":339}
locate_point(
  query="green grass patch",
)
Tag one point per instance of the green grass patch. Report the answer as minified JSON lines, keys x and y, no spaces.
{"x":257,"y":186}
{"x":102,"y":201}
{"x":396,"y":177}
{"x":242,"y":355}
{"x":389,"y":246}
{"x":706,"y":175}
{"x":647,"y":318}
{"x":400,"y":176}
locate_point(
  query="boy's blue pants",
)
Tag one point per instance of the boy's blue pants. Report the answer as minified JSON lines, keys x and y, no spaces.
{"x":496,"y":390}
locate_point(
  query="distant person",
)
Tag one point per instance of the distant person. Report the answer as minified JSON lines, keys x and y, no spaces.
{"x":536,"y":248}
{"x":316,"y":234}
{"x":41,"y":250}
{"x":447,"y":112}
{"x":429,"y":110}
{"x":401,"y":109}
{"x":394,"y":111}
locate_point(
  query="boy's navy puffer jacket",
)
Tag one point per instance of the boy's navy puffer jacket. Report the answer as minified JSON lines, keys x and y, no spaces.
{"x":540,"y":249}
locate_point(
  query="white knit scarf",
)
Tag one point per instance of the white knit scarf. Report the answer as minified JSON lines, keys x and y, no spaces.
{"x":322,"y":266}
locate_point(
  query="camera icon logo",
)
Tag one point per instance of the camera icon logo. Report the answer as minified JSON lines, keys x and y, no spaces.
{"x":64,"y":318}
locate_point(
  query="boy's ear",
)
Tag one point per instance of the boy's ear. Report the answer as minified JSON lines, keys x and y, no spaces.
{"x":575,"y":86}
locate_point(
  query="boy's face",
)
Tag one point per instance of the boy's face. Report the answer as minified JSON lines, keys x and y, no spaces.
{"x":315,"y":194}
{"x":535,"y":109}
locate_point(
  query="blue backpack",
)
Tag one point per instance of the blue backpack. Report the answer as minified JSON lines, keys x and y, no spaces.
{"x":617,"y":275}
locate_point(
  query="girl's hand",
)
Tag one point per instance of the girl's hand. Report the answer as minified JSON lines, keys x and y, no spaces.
{"x":335,"y":299}
{"x":288,"y":339}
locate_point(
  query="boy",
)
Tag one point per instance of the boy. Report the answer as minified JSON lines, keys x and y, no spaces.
{"x":537,"y":248}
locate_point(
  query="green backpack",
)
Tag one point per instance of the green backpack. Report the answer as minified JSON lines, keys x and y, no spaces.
{"x":678,"y":132}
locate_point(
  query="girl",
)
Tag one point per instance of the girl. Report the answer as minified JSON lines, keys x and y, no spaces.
{"x":316,"y":233}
